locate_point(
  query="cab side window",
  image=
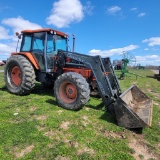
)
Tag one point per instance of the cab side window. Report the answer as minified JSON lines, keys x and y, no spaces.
{"x":26,"y":44}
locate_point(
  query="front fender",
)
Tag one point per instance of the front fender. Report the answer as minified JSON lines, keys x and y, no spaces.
{"x":29,"y":56}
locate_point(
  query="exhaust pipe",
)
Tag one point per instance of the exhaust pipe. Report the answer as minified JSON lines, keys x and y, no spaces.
{"x":73,"y":46}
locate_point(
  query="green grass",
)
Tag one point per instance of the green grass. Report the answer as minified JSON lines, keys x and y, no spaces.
{"x":35,"y":127}
{"x":1,"y":67}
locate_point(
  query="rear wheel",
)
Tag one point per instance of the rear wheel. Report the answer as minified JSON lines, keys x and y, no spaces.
{"x":71,"y":91}
{"x":19,"y":75}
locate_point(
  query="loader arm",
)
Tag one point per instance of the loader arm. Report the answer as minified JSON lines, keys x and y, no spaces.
{"x":132,"y":109}
{"x":102,"y":69}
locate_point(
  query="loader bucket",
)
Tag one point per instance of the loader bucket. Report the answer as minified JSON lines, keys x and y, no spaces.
{"x":133,"y":109}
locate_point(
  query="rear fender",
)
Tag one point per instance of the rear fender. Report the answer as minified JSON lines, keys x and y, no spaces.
{"x":29,"y":56}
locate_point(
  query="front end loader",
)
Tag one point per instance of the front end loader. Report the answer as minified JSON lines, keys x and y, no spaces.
{"x":44,"y":57}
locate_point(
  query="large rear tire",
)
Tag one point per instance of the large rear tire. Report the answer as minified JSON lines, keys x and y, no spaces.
{"x":19,"y":75}
{"x":71,"y":91}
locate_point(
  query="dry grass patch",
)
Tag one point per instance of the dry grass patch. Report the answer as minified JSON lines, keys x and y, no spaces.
{"x":32,"y":108}
{"x":65,"y":125}
{"x":59,"y":112}
{"x":141,"y":149}
{"x":111,"y":134}
{"x":51,"y":134}
{"x":23,"y":152}
{"x":41,"y":128}
{"x":62,"y":158}
{"x":42,"y":117}
{"x":83,"y":150}
{"x":85,"y":121}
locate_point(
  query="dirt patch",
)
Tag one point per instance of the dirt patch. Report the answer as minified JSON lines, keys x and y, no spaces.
{"x":50,"y":134}
{"x":42,"y":117}
{"x":111,"y":134}
{"x":32,"y":108}
{"x":41,"y":128}
{"x":59,"y":111}
{"x":140,"y":149}
{"x":87,"y":109}
{"x":153,"y":92}
{"x":59,"y":136}
{"x":85,"y":121}
{"x":23,"y":152}
{"x":65,"y":125}
{"x":86,"y":150}
{"x":155,"y":71}
{"x":155,"y":103}
{"x":85,"y":117}
{"x":74,"y":144}
{"x":62,"y":158}
{"x":158,"y":146}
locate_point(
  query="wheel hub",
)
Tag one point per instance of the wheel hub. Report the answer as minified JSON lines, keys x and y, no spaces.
{"x":15,"y":75}
{"x":71,"y":91}
{"x":68,"y":92}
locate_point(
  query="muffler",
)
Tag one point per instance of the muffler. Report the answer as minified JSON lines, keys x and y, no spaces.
{"x":133,"y":109}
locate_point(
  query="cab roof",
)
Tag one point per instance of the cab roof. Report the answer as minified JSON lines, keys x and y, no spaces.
{"x":44,"y":30}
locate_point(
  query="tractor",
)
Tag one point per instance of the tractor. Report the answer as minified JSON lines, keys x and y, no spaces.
{"x":44,"y":57}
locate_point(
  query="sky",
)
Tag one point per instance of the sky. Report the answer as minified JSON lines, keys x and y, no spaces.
{"x":108,"y":28}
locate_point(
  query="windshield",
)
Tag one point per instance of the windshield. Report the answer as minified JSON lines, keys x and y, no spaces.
{"x":55,"y":42}
{"x":60,"y":43}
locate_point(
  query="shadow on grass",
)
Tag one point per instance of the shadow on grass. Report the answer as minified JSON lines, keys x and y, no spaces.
{"x":3,"y":88}
{"x":112,"y":119}
{"x":156,"y":76}
{"x":105,"y":116}
{"x":109,"y":118}
{"x":136,"y":130}
{"x":98,"y":107}
{"x":52,"y":101}
{"x":41,"y":90}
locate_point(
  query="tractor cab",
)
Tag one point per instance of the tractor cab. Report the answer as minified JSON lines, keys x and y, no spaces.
{"x":43,"y":44}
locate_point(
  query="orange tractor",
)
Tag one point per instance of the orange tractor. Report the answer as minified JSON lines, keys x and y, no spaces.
{"x":44,"y":57}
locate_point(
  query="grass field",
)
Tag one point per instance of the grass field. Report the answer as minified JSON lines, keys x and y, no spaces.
{"x":1,"y":67}
{"x":34,"y":127}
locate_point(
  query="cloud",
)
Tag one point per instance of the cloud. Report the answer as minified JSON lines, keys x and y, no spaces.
{"x":5,"y":49}
{"x":18,"y":24}
{"x":116,"y":51}
{"x":4,"y":8}
{"x":64,"y":12}
{"x":141,"y":14}
{"x":152,"y":56}
{"x":4,"y":33}
{"x":148,"y":59}
{"x":88,"y":8}
{"x":152,"y":41}
{"x":113,"y":10}
{"x":8,"y":41}
{"x":133,"y":9}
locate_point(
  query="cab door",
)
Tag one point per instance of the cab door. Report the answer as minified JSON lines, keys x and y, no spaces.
{"x":38,"y":49}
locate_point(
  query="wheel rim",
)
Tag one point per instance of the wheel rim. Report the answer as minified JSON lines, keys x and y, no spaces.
{"x":15,"y":75}
{"x":68,"y":92}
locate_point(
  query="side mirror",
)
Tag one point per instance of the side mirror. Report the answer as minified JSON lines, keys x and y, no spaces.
{"x":18,"y":35}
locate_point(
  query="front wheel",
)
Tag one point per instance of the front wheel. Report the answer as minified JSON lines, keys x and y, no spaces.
{"x":19,"y":75}
{"x":71,"y":91}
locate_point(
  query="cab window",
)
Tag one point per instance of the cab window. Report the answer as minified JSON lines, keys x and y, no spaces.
{"x":26,"y":43}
